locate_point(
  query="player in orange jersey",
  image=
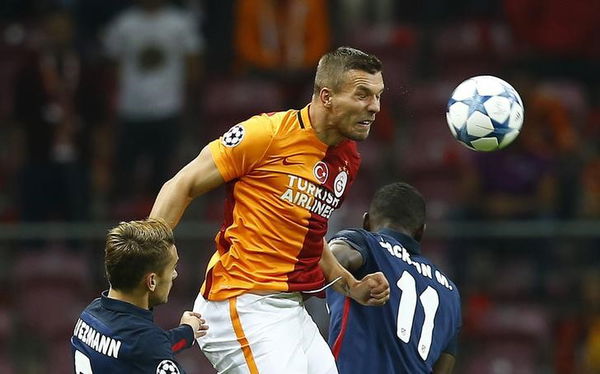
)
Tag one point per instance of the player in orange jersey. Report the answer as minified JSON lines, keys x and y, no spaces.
{"x":285,"y":173}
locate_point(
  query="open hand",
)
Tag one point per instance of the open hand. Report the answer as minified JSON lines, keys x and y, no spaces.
{"x":196,"y":322}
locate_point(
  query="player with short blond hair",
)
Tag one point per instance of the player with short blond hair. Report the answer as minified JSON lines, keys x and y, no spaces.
{"x":115,"y":333}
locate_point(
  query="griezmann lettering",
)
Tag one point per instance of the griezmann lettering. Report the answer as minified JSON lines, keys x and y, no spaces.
{"x":98,"y":342}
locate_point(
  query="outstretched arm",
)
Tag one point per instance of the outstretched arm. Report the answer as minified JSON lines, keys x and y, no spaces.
{"x":373,"y":289}
{"x":191,"y":327}
{"x":196,"y":178}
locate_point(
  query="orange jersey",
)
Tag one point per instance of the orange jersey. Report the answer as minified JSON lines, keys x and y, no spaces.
{"x":283,"y":183}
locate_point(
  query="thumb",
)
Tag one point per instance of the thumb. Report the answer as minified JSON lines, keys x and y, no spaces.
{"x":372,"y":281}
{"x":367,"y":283}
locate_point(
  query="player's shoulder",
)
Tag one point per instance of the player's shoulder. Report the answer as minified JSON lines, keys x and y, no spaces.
{"x":355,"y":237}
{"x":274,"y":125}
{"x":94,"y":304}
{"x":267,"y":120}
{"x":350,"y":234}
{"x":136,"y":329}
{"x":94,"y":310}
{"x":442,"y":279}
{"x":454,"y":288}
{"x":281,"y":122}
{"x":141,"y":337}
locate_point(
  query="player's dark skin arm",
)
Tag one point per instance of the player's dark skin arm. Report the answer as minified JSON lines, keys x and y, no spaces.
{"x":444,"y":364}
{"x":348,"y":257}
{"x":352,"y":260}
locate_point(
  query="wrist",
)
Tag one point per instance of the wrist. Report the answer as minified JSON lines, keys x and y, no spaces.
{"x":352,"y":282}
{"x":188,"y":325}
{"x":349,"y":286}
{"x":192,"y":331}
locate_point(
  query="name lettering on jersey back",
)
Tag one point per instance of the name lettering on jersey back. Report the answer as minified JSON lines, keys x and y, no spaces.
{"x":305,"y":194}
{"x":98,"y":342}
{"x":423,"y":269}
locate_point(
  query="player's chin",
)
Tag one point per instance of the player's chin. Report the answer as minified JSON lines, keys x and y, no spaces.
{"x":162,"y":300}
{"x":359,"y":134}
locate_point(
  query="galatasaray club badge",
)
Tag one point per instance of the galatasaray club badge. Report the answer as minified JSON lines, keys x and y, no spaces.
{"x":321,"y":171}
{"x":339,"y":185}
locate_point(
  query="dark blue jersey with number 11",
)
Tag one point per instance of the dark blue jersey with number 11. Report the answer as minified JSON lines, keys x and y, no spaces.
{"x":408,"y":334}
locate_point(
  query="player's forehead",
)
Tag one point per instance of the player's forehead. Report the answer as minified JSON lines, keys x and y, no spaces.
{"x":173,"y":255}
{"x":359,"y":79}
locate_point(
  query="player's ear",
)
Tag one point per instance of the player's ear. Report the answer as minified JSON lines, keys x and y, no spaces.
{"x":325,"y":97}
{"x":151,"y":281}
{"x":366,"y":221}
{"x":418,"y":235}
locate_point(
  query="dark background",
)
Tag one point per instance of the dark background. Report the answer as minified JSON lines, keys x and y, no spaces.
{"x":517,"y":230}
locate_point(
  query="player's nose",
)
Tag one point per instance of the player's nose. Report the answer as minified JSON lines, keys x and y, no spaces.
{"x":374,"y":105}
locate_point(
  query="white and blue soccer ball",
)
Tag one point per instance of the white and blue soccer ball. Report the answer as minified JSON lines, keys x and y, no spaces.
{"x":485,"y":113}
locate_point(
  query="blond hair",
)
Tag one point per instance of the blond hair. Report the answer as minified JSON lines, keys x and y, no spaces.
{"x":333,"y":66}
{"x":135,"y":248}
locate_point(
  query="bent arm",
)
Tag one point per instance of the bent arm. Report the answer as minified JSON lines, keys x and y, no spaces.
{"x":196,"y":178}
{"x":180,"y":338}
{"x":348,"y":257}
{"x":332,"y":269}
{"x":444,"y":364}
{"x":373,"y":289}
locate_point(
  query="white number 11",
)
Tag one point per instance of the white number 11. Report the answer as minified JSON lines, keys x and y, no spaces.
{"x":406,"y":312}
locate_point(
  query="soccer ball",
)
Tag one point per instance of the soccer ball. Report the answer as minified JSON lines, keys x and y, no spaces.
{"x":485,"y":113}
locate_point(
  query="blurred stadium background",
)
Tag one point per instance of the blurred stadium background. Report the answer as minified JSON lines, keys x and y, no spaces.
{"x":518,"y":230}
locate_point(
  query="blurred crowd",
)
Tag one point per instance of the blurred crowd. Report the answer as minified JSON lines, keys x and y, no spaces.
{"x":101,"y":101}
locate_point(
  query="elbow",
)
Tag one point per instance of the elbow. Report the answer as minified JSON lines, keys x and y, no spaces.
{"x":177,"y":186}
{"x":168,"y":187}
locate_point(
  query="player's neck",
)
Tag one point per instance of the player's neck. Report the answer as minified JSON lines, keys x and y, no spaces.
{"x":139,"y":300}
{"x":396,"y":228}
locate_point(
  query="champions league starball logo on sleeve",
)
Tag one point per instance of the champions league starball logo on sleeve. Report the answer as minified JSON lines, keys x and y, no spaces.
{"x":234,"y":136}
{"x":167,"y":367}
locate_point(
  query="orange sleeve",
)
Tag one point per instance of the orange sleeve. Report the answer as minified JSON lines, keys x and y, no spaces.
{"x":242,"y":147}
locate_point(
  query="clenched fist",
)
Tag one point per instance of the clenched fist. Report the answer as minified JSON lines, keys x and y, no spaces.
{"x":373,"y":289}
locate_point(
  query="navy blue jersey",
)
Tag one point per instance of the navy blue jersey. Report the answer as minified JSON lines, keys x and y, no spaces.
{"x":113,"y":336}
{"x":406,"y":335}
